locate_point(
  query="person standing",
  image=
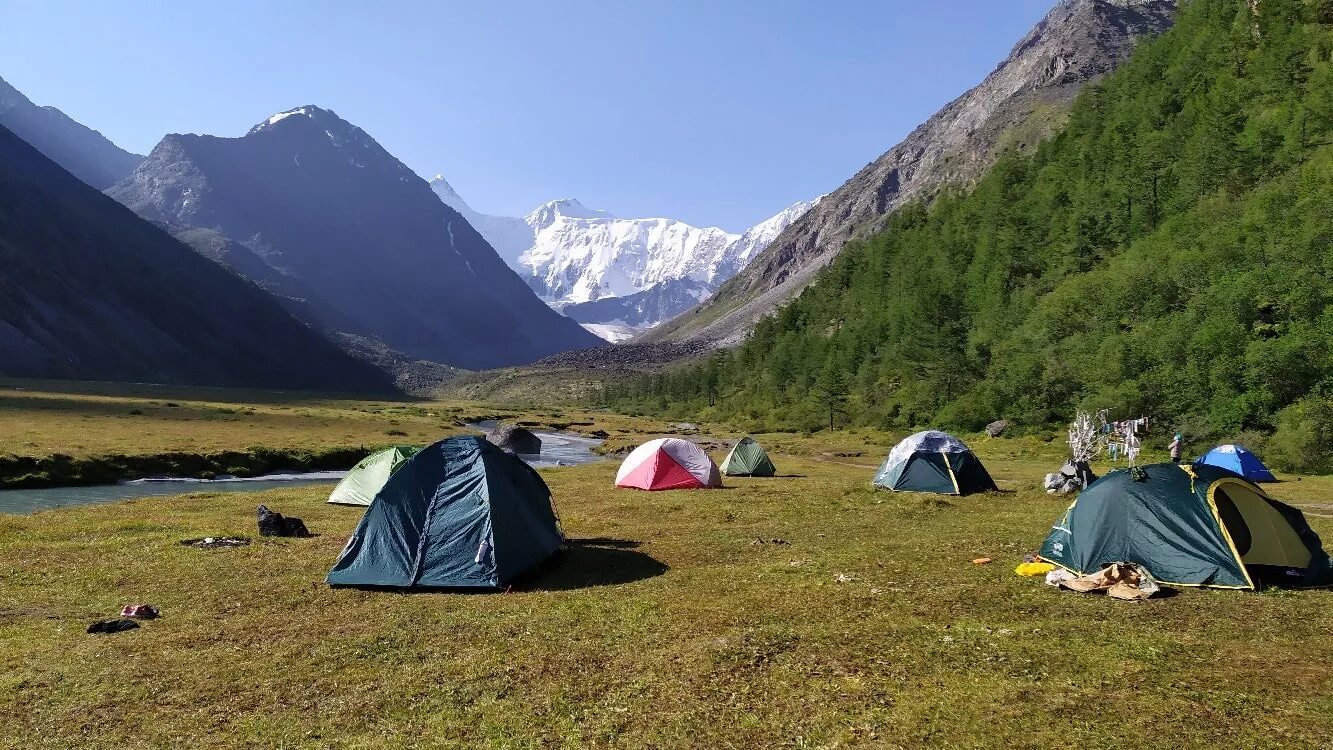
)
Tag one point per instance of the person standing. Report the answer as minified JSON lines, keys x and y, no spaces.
{"x":1175,"y":448}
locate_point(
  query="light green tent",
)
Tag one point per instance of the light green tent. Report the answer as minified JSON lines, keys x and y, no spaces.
{"x":748,"y":459}
{"x":366,"y":479}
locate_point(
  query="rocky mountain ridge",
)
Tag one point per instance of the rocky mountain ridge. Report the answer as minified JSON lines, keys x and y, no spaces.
{"x":1020,"y":103}
{"x":80,"y":150}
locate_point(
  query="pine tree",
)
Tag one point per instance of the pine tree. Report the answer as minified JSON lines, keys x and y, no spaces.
{"x":831,"y":390}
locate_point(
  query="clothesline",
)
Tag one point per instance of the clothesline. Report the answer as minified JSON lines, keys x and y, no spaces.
{"x":1134,"y":425}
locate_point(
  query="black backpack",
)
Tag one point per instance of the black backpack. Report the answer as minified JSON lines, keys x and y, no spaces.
{"x":272,"y":523}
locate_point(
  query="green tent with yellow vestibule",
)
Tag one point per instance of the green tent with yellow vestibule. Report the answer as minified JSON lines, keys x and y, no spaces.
{"x":748,"y":459}
{"x":1197,"y":525}
{"x":367,"y":478}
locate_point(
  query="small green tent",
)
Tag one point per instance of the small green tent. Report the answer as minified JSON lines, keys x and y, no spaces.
{"x":461,"y":513}
{"x":748,"y":459}
{"x":1195,"y":525}
{"x":366,"y":479}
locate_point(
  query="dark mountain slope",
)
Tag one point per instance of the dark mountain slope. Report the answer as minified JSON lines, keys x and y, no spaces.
{"x":1023,"y":101}
{"x":323,"y":204}
{"x":90,"y":291}
{"x":294,"y":295}
{"x":84,"y":152}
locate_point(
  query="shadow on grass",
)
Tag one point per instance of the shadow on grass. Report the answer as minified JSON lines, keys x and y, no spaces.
{"x":588,"y":563}
{"x":580,"y":564}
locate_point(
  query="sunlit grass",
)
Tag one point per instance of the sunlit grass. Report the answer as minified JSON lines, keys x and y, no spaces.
{"x":697,"y":629}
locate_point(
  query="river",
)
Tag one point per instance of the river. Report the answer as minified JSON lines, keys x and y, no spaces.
{"x":558,"y":449}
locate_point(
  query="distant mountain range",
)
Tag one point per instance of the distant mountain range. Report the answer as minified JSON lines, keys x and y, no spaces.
{"x":344,"y":237}
{"x":313,"y":209}
{"x":88,"y":290}
{"x":1018,"y":105}
{"x":82,"y":151}
{"x":617,"y":276}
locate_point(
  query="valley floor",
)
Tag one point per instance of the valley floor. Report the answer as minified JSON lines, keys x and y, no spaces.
{"x":800,"y":611}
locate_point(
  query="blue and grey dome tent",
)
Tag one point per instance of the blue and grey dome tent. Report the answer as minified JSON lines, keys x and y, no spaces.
{"x":461,"y":513}
{"x":933,"y":461}
{"x":1238,"y":460}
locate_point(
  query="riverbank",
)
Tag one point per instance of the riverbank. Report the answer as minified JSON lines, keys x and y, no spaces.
{"x":52,"y":498}
{"x":81,"y":434}
{"x":29,"y":472}
{"x":558,"y":449}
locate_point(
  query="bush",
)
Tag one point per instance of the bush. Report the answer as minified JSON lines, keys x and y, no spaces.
{"x":1303,"y":441}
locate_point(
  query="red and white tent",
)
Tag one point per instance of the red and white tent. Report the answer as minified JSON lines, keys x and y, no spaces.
{"x":668,"y":464}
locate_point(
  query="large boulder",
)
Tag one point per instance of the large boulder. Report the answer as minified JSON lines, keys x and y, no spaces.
{"x":515,"y":439}
{"x":994,"y":429}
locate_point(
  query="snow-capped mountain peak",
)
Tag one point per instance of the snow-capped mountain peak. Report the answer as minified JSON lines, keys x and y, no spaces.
{"x":571,"y":254}
{"x":315,"y":119}
{"x":309,"y":111}
{"x":275,"y":119}
{"x":569,"y":208}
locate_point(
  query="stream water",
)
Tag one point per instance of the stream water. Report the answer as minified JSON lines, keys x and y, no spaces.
{"x":558,"y":449}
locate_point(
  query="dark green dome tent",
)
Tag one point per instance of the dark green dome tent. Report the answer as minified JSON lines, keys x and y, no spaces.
{"x":933,"y":461}
{"x":748,"y":459}
{"x":1190,"y":526}
{"x":461,"y":513}
{"x":367,"y":478}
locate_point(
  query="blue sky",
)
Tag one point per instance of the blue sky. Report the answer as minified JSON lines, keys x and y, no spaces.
{"x":717,"y":113}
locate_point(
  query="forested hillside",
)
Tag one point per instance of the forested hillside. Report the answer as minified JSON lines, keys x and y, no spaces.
{"x":1168,"y":253}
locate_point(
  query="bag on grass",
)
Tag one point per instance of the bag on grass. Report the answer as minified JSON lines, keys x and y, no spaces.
{"x":272,"y":523}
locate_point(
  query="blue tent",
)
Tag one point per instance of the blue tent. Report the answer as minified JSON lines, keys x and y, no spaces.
{"x":461,"y":513}
{"x":933,"y":461}
{"x":1237,"y":460}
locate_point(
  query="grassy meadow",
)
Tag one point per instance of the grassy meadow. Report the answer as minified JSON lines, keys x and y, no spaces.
{"x":803,"y":611}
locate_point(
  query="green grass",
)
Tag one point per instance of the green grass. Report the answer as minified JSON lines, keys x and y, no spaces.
{"x":690,"y":635}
